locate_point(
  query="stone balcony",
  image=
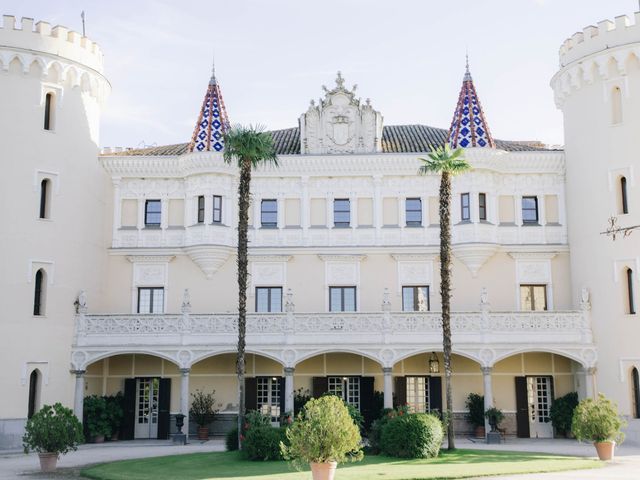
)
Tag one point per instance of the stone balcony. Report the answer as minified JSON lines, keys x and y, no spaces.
{"x":289,"y":338}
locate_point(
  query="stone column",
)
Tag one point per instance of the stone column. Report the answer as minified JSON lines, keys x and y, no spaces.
{"x":388,"y":387}
{"x":184,"y":399}
{"x":78,"y":397}
{"x":288,"y":389}
{"x":589,"y":382}
{"x":488,"y":392}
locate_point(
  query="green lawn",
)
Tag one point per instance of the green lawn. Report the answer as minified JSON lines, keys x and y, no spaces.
{"x":459,"y":464}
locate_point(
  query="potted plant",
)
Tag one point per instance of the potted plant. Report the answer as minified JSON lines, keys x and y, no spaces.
{"x":495,"y":416}
{"x":561,"y":413}
{"x":115,"y":413}
{"x":598,"y":421}
{"x":475,"y":413}
{"x":322,"y":435}
{"x":202,"y":411}
{"x":96,"y":418}
{"x":52,"y":431}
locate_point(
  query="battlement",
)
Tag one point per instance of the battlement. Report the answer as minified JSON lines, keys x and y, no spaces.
{"x":57,"y":40}
{"x":607,"y":35}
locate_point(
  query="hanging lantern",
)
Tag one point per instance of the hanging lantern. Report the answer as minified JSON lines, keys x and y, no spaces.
{"x":434,"y":364}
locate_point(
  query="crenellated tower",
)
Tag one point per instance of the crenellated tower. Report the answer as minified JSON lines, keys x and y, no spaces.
{"x":597,"y":87}
{"x":54,"y":204}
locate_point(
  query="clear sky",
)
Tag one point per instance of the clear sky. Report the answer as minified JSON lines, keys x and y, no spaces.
{"x":272,"y":56}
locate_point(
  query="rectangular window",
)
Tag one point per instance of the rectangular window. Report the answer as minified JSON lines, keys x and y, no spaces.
{"x":347,"y":388}
{"x":533,"y":297}
{"x":341,"y":212}
{"x":482,"y":206}
{"x":415,"y":299}
{"x":268,"y":299}
{"x":269,"y":397}
{"x":152,"y":213}
{"x":151,"y":300}
{"x":418,"y":394}
{"x":465,"y":209}
{"x":217,"y":209}
{"x":413,"y":212}
{"x":530,"y":210}
{"x":342,"y":299}
{"x":201,"y":209}
{"x":269,"y":213}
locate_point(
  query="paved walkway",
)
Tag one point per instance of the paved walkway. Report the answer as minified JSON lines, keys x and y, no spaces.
{"x":16,"y":465}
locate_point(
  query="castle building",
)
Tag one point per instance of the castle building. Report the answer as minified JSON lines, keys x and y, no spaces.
{"x":120,"y":271}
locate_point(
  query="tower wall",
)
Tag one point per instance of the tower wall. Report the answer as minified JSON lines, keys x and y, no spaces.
{"x":598,"y":90}
{"x":69,"y":245}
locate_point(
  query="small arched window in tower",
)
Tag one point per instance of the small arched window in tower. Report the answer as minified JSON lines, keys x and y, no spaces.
{"x":34,"y":393}
{"x":624,"y":205}
{"x":39,"y":293}
{"x":49,"y":105}
{"x":630,"y":294}
{"x":45,"y":198}
{"x":616,"y":105}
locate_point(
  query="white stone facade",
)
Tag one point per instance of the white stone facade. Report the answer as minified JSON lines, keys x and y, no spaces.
{"x":97,"y":247}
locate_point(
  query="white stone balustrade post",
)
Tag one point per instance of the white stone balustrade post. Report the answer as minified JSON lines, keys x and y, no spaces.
{"x":288,"y":389}
{"x":184,"y":399}
{"x":388,"y":386}
{"x":488,"y":393}
{"x":78,"y":397}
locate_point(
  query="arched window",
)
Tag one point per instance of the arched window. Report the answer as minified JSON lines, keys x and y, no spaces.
{"x":616,"y":105}
{"x":635,"y":384}
{"x":624,"y":205}
{"x":34,"y":393}
{"x":630,"y":293}
{"x":39,"y":293}
{"x":49,"y":105}
{"x":45,"y":194}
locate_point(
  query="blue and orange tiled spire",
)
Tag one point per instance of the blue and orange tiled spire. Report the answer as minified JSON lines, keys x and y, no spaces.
{"x":469,"y":127}
{"x":213,"y":122}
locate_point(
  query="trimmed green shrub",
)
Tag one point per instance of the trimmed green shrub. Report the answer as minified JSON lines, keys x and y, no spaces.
{"x":202,"y":409}
{"x":323,"y":432}
{"x":416,"y":435}
{"x":562,"y":412}
{"x":475,"y":409}
{"x":96,"y":415}
{"x":115,"y":411}
{"x":262,"y":442}
{"x":53,"y":429}
{"x":375,"y":432}
{"x":231,"y":439}
{"x":597,"y":421}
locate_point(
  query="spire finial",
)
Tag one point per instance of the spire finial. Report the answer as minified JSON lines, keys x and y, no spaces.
{"x":340,"y":80}
{"x":213,"y":71}
{"x":467,"y":73}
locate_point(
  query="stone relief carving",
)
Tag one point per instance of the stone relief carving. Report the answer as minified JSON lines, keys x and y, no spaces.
{"x":342,"y":273}
{"x":150,"y":274}
{"x":534,"y":271}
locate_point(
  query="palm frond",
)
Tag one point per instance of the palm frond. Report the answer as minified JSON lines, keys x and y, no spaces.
{"x":252,"y":143}
{"x":443,"y":159}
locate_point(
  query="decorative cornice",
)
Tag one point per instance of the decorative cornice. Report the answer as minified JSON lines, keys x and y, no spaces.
{"x":532,"y":255}
{"x":269,"y":258}
{"x":412,"y":257}
{"x":341,"y":258}
{"x":150,"y":258}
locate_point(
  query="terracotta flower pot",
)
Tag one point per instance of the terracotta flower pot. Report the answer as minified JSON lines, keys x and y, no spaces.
{"x":323,"y":471}
{"x":605,"y":450}
{"x":480,"y":432}
{"x":48,"y":462}
{"x":203,"y":433}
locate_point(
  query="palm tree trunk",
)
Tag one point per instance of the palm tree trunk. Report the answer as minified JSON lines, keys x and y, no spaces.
{"x":244,"y":192}
{"x":445,"y":294}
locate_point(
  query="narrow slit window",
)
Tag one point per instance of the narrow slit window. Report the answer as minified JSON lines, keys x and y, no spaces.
{"x":630,"y":293}
{"x":201,"y":209}
{"x":38,"y":299}
{"x":217,"y":209}
{"x":636,"y":392}
{"x":482,"y":206}
{"x":624,"y":204}
{"x":48,"y":111}
{"x":45,"y":192}
{"x":465,"y":207}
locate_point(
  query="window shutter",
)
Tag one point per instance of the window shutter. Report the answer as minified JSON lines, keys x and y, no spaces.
{"x":250,"y":393}
{"x":435,"y":394}
{"x":282,"y":395}
{"x":366,"y":400}
{"x":522,"y":408}
{"x":400,"y":391}
{"x":164,"y":405}
{"x":320,"y":386}
{"x":129,"y":418}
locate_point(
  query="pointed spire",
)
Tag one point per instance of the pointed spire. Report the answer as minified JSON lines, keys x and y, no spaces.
{"x":469,"y":127}
{"x":212,"y":122}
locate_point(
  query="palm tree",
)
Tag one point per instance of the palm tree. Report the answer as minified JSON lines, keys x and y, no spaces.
{"x":248,"y":147}
{"x":447,"y":163}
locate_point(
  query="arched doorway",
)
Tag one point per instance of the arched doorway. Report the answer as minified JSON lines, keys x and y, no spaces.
{"x":34,"y":393}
